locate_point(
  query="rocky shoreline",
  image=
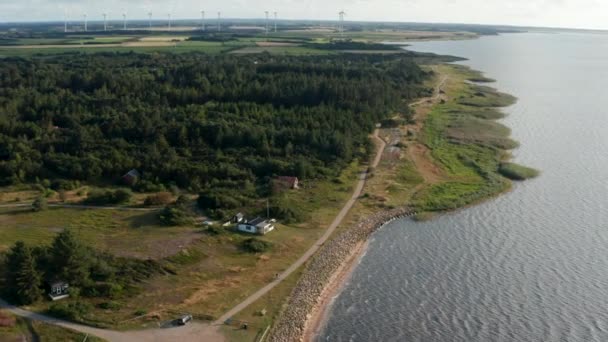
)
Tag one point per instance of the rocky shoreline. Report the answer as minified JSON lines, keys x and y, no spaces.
{"x":330,"y":258}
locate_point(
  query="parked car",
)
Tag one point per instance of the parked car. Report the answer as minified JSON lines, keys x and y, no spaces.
{"x":185,"y":319}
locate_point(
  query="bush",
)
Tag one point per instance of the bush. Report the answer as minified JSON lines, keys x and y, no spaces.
{"x":101,"y":197}
{"x":40,"y":204}
{"x":253,"y":245}
{"x":161,"y":198}
{"x":62,"y":184}
{"x":516,"y":172}
{"x":147,"y":186}
{"x":217,"y":201}
{"x":175,"y":216}
{"x":74,"y":311}
{"x":111,"y":305}
{"x":287,"y":214}
{"x":140,"y":313}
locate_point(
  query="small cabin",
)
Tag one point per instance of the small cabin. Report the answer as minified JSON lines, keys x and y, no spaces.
{"x":131,"y":178}
{"x":258,"y":226}
{"x":287,"y":182}
{"x":59,"y":290}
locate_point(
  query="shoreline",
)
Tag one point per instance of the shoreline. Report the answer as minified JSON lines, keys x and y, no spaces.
{"x":319,"y":316}
{"x":309,"y":306}
{"x":322,"y":277}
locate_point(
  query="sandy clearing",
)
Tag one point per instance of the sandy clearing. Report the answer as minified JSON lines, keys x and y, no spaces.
{"x":149,"y":44}
{"x":269,"y":44}
{"x":163,"y":38}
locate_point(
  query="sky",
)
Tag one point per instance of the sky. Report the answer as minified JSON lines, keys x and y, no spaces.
{"x":590,"y":14}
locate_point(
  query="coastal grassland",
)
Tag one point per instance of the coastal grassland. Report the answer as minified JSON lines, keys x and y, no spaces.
{"x":123,"y":233}
{"x":466,"y":143}
{"x":38,"y":331}
{"x":209,"y":272}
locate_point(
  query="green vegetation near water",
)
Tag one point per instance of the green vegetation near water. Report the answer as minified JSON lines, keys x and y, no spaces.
{"x":517,"y":172}
{"x":469,"y":146}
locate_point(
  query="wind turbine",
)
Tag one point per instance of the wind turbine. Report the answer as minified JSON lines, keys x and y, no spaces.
{"x":85,"y":22}
{"x":124,"y":21}
{"x":105,"y":21}
{"x":219,"y":24}
{"x":65,"y":21}
{"x":341,"y":27}
{"x":169,"y":18}
{"x":202,"y":20}
{"x":275,"y":22}
{"x":150,"y":20}
{"x":266,"y":12}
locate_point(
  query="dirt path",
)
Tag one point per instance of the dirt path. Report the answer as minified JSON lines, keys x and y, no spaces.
{"x":356,"y":193}
{"x":194,"y":332}
{"x":419,"y":153}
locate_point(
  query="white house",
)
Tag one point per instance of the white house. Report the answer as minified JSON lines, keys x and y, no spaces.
{"x":256,"y":226}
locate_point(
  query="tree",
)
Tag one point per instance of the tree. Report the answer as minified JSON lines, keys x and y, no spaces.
{"x":40,"y":204}
{"x":22,"y":276}
{"x":28,"y":280}
{"x":70,"y":259}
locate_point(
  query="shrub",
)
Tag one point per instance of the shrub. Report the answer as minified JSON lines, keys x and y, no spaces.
{"x":217,"y":201}
{"x":62,"y":184}
{"x":147,"y":186}
{"x":140,"y":312}
{"x":111,"y":305}
{"x":161,"y":198}
{"x":287,"y":214}
{"x":517,"y":172}
{"x":175,"y":216}
{"x":253,"y":245}
{"x":40,"y":204}
{"x":74,"y":311}
{"x":101,"y":197}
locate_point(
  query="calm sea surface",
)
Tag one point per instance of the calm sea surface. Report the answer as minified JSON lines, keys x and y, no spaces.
{"x":531,"y":265}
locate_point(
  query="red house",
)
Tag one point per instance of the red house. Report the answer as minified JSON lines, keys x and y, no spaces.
{"x":287,"y":182}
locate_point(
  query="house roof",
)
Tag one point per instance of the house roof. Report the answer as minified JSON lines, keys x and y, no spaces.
{"x":58,"y":283}
{"x":132,"y":173}
{"x":256,"y":221}
{"x":287,"y":179}
{"x":239,"y":215}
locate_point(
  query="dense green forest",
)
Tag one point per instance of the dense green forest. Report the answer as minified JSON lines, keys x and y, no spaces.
{"x":194,"y":121}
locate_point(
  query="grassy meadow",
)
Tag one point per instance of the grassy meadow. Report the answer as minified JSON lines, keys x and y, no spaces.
{"x":211,"y":271}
